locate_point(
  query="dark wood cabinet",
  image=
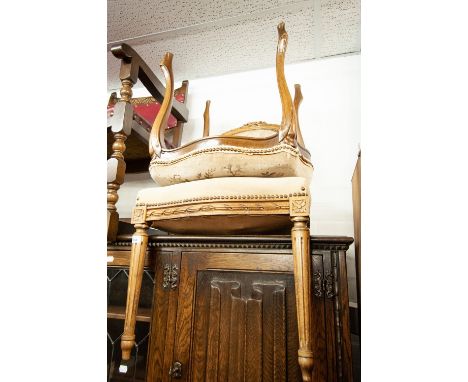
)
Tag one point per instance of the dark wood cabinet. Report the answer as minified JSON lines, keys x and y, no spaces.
{"x":224,"y":308}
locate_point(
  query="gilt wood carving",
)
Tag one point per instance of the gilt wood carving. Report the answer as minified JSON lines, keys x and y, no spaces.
{"x":283,"y":137}
{"x":286,"y":131}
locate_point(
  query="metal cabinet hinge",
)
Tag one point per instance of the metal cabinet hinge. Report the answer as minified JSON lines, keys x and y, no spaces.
{"x":317,"y":279}
{"x":171,"y":276}
{"x":323,"y":284}
{"x":176,"y":370}
{"x":329,"y":285}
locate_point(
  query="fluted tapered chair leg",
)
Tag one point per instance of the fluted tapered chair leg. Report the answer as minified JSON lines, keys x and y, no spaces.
{"x":137,"y":262}
{"x":300,"y":237}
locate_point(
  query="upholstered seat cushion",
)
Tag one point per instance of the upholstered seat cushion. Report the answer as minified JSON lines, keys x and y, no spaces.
{"x":281,"y":160}
{"x":227,"y":205}
{"x":224,"y":189}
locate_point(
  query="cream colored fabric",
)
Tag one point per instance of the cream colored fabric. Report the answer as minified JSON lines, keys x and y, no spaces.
{"x":260,"y":133}
{"x":224,"y":188}
{"x":227,"y":161}
{"x":258,"y":129}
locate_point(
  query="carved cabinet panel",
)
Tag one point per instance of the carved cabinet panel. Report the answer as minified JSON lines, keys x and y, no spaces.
{"x":227,"y":313}
{"x":223,"y":309}
{"x":239,"y":330}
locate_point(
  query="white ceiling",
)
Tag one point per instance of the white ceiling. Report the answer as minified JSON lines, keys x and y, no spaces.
{"x":215,"y":37}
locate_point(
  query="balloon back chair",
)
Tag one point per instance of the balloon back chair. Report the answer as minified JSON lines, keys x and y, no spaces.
{"x":252,"y":179}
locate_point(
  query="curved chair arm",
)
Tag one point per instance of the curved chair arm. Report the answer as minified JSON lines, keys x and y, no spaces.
{"x":156,"y":142}
{"x":286,"y":101}
{"x":297,"y":101}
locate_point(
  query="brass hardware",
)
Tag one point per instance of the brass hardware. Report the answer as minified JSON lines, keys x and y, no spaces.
{"x":329,"y":285}
{"x":171,"y":276}
{"x":174,"y":276}
{"x":176,"y":370}
{"x":317,"y":278}
{"x":324,"y":285}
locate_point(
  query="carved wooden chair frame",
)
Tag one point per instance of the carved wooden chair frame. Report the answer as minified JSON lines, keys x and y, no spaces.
{"x":294,"y":206}
{"x":283,"y":137}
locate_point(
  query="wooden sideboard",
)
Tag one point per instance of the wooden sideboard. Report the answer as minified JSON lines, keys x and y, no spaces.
{"x":223,"y":309}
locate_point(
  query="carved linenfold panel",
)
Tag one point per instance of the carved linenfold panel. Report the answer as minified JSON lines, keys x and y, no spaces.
{"x":241,"y":327}
{"x":253,"y":339}
{"x":274,"y":313}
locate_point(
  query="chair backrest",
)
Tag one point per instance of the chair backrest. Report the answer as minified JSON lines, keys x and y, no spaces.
{"x":287,"y":132}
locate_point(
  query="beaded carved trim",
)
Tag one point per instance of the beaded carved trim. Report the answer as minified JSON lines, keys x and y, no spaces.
{"x":314,"y":246}
{"x":224,"y":149}
{"x":210,"y":245}
{"x":221,"y":197}
{"x":159,"y":244}
{"x":216,"y":209}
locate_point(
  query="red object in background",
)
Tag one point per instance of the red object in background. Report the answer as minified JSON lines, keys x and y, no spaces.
{"x":149,"y":111}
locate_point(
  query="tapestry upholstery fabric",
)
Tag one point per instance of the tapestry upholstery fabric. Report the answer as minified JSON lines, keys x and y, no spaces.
{"x":227,"y":161}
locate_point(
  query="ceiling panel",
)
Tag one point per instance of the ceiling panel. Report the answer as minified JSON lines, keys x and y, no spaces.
{"x":132,"y":18}
{"x":214,"y":38}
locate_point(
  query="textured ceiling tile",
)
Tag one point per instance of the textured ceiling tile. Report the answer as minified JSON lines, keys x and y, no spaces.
{"x":340,"y":27}
{"x":132,"y":18}
{"x":247,"y":40}
{"x":227,"y":49}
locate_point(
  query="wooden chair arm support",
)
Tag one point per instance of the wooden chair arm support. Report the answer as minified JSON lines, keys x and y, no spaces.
{"x":297,"y":101}
{"x":134,"y":68}
{"x":286,"y":130}
{"x":157,"y":143}
{"x":206,"y":119}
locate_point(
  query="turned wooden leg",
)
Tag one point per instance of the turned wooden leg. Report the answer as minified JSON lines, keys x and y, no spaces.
{"x":300,"y":237}
{"x":137,"y":262}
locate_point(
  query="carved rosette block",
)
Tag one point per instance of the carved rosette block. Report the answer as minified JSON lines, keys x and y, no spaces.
{"x":137,"y":262}
{"x":139,"y":215}
{"x":299,"y":206}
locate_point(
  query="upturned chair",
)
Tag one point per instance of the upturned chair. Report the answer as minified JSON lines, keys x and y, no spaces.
{"x":251,"y":179}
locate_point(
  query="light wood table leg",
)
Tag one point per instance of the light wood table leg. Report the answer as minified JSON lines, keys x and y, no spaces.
{"x":300,"y":236}
{"x":137,"y":262}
